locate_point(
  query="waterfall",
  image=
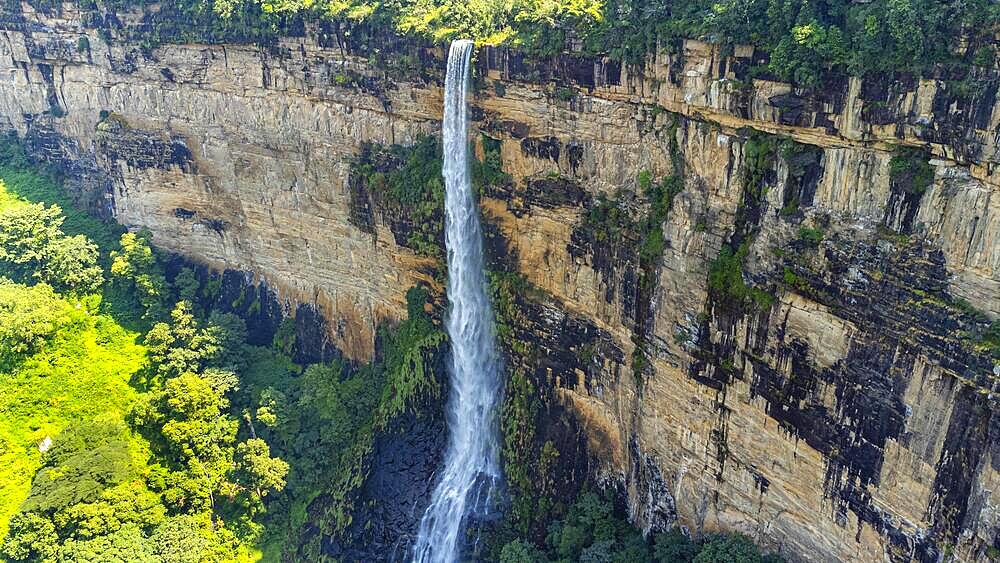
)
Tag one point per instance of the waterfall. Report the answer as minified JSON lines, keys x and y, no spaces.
{"x":471,"y":468}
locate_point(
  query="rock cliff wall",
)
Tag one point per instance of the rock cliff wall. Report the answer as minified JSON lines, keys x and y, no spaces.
{"x":802,"y":359}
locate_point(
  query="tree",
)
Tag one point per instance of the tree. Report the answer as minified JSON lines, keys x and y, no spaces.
{"x":136,"y":266}
{"x":186,"y":285}
{"x":230,"y":334}
{"x":520,"y":551}
{"x":222,"y":380}
{"x":30,"y":537}
{"x":273,"y":408}
{"x":728,"y":548}
{"x":806,"y":52}
{"x":26,"y":231}
{"x":182,"y":346}
{"x":598,"y":552}
{"x":84,"y":459}
{"x":198,"y":436}
{"x":32,"y":246}
{"x":906,"y":32}
{"x":255,"y":467}
{"x":190,"y":410}
{"x":29,"y":317}
{"x":183,"y":539}
{"x":123,"y":545}
{"x":674,"y":547}
{"x":71,"y":265}
{"x":126,"y":504}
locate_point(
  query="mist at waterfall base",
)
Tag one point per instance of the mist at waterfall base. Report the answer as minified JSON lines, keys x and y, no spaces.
{"x":471,"y":470}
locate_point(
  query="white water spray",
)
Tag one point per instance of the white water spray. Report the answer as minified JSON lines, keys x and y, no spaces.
{"x":471,"y":469}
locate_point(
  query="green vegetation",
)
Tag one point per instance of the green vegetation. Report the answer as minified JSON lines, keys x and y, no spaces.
{"x":63,"y":362}
{"x":531,"y":501}
{"x":26,"y":182}
{"x":607,"y":220}
{"x":33,"y":246}
{"x":62,"y":359}
{"x":981,"y":335}
{"x":324,"y":422}
{"x":138,"y":274}
{"x":759,"y":151}
{"x":125,"y":442}
{"x":805,"y":40}
{"x":529,"y":460}
{"x":405,"y":184}
{"x":618,"y":236}
{"x":507,"y":289}
{"x":489,"y":171}
{"x":989,"y":341}
{"x":794,"y":281}
{"x":910,"y":170}
{"x":592,"y":530}
{"x":798,"y":158}
{"x":565,"y":94}
{"x":410,"y":351}
{"x":726,"y":283}
{"x":173,"y":441}
{"x":812,"y":236}
{"x":660,"y":196}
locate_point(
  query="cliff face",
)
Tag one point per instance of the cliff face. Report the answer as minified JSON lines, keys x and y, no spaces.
{"x":843,"y":409}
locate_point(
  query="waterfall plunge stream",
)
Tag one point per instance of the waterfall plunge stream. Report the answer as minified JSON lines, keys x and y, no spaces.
{"x":471,"y":468}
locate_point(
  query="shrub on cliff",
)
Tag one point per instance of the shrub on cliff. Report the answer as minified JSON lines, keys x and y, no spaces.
{"x":411,"y":348}
{"x":405,"y":186}
{"x":910,"y":170}
{"x":727,"y":287}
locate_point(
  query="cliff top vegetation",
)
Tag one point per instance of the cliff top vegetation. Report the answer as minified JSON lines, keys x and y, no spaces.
{"x":805,"y":39}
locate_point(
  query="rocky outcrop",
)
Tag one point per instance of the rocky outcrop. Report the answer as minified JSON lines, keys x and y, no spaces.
{"x":823,"y":387}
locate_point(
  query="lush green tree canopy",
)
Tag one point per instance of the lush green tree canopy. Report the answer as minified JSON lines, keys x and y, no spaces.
{"x":134,"y":265}
{"x":163,"y":486}
{"x":255,"y":467}
{"x":33,"y":246}
{"x":29,"y":317}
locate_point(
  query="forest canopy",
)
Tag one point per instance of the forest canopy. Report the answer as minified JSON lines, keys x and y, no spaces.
{"x":136,"y":421}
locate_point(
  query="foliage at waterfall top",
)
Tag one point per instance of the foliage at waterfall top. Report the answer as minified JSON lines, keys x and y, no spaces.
{"x":805,"y":38}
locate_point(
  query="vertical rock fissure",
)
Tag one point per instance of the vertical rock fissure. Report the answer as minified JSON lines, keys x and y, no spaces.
{"x":471,"y":469}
